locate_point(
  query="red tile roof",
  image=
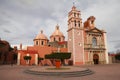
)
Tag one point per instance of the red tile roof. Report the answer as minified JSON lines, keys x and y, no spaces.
{"x":63,"y":42}
{"x":29,"y":51}
{"x":112,"y":54}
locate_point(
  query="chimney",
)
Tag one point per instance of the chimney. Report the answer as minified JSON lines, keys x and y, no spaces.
{"x":21,"y":46}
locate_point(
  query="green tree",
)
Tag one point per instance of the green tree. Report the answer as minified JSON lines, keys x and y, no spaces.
{"x":40,"y":59}
{"x":27,"y":58}
{"x":117,"y":56}
{"x":59,"y":56}
{"x":14,"y":58}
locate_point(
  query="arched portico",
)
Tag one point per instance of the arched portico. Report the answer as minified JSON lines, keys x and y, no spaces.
{"x":96,"y":59}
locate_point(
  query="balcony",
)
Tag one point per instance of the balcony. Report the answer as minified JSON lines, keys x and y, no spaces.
{"x":90,"y":46}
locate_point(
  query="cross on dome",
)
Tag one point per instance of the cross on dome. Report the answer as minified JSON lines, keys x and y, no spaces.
{"x":41,"y":31}
{"x":73,"y":8}
{"x":57,"y":27}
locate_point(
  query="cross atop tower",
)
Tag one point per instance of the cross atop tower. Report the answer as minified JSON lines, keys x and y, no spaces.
{"x":73,"y":3}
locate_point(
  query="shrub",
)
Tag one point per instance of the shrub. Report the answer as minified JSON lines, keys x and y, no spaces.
{"x":59,"y":56}
{"x":117,"y":56}
{"x":27,"y":57}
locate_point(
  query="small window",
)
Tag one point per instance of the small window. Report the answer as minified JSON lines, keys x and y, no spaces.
{"x":94,"y":42}
{"x":92,"y":22}
{"x":59,"y":39}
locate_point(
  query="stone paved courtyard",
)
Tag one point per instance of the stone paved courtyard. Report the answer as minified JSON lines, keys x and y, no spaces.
{"x":102,"y":72}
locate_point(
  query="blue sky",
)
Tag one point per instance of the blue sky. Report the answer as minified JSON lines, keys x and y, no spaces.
{"x":22,"y":20}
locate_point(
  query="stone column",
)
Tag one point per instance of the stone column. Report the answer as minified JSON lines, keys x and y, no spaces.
{"x":58,"y":49}
{"x":90,"y":40}
{"x":91,"y":57}
{"x":73,"y":46}
{"x":18,"y":59}
{"x":87,"y":39}
{"x":106,"y":51}
{"x":100,"y":57}
{"x":28,"y":61}
{"x":88,"y":56}
{"x":36,"y":59}
{"x":98,"y":42}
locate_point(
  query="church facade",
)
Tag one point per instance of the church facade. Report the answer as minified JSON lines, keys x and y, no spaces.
{"x":86,"y":42}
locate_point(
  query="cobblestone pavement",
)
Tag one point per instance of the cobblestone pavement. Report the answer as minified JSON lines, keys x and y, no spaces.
{"x":102,"y":72}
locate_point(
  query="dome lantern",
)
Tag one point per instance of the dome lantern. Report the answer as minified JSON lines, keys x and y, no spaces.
{"x":57,"y":35}
{"x":41,"y":39}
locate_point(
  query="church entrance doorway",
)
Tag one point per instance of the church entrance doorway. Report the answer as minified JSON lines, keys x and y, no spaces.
{"x":96,"y":59}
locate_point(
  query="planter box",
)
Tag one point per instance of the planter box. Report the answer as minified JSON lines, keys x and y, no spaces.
{"x":58,"y":64}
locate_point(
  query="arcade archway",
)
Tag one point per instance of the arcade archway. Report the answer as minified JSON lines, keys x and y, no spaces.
{"x":96,"y":59}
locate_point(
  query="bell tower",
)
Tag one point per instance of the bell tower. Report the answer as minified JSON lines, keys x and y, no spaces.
{"x":75,"y":36}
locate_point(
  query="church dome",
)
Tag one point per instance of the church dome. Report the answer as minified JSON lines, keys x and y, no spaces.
{"x":57,"y":32}
{"x":41,"y":36}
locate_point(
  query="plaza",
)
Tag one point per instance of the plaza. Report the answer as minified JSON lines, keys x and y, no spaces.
{"x":35,"y":31}
{"x":101,"y":72}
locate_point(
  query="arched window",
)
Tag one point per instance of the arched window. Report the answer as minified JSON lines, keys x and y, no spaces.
{"x":54,"y":39}
{"x":79,"y":23}
{"x":75,"y":22}
{"x":42,"y":43}
{"x":78,"y":14}
{"x":94,"y":42}
{"x":36,"y":42}
{"x":74,"y":14}
{"x":59,"y":39}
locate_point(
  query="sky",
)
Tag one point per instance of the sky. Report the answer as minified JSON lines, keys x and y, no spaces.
{"x":22,"y":20}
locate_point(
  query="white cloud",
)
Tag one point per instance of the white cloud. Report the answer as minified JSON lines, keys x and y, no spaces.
{"x":22,"y":20}
{"x":107,"y":17}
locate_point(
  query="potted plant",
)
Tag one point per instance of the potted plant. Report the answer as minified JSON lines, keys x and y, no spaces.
{"x":57,"y":63}
{"x":59,"y":57}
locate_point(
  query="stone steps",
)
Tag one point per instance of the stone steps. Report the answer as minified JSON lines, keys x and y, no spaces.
{"x":63,"y":74}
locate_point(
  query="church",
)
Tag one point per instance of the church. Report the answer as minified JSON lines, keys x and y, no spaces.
{"x":85,"y":41}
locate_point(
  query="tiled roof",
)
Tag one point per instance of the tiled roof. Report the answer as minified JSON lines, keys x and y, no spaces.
{"x":63,"y":42}
{"x":29,"y":51}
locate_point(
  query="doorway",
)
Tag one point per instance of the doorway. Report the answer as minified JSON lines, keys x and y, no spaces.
{"x":96,"y":59}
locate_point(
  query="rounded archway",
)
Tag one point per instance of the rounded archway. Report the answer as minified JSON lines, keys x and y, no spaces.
{"x":96,"y":59}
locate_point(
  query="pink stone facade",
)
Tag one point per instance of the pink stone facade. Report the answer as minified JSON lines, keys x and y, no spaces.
{"x":86,"y":42}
